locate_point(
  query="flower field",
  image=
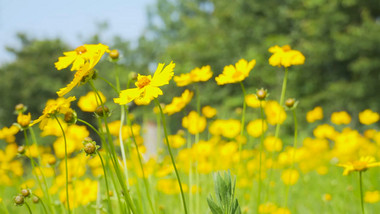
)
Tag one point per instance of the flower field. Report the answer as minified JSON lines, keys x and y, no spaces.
{"x":212,"y":162}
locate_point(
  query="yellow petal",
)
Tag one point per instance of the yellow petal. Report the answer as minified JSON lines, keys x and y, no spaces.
{"x":162,"y":77}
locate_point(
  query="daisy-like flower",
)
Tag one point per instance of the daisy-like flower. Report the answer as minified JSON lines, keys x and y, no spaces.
{"x":360,"y":165}
{"x":196,"y":75}
{"x":285,"y":56}
{"x":147,"y":86}
{"x":80,"y":56}
{"x":237,"y":73}
{"x":60,"y":105}
{"x":178,"y":103}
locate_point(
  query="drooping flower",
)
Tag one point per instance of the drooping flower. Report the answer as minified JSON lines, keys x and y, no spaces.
{"x":314,"y":115}
{"x":360,"y":165}
{"x":237,"y":73}
{"x":341,"y":117}
{"x":285,"y":56}
{"x":147,"y":86}
{"x":178,"y":103}
{"x":90,"y":101}
{"x":60,"y":105}
{"x":80,"y":56}
{"x":194,"y":123}
{"x":196,"y":75}
{"x":367,"y":117}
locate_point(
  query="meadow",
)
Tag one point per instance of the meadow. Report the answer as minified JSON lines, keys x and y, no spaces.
{"x":212,"y":162}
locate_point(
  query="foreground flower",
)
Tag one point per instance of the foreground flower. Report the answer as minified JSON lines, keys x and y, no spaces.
{"x":360,"y":165}
{"x":80,"y":56}
{"x":196,"y":75}
{"x":60,"y":105}
{"x":237,"y":73}
{"x":178,"y":103}
{"x":147,"y":87}
{"x":285,"y":56}
{"x":367,"y":117}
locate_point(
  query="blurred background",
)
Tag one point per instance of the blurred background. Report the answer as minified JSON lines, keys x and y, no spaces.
{"x":340,"y":39}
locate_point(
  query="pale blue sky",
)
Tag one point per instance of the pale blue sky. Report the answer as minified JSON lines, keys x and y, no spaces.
{"x":71,"y":20}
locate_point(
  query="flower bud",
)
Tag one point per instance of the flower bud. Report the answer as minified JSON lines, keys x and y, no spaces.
{"x":51,"y":161}
{"x":20,"y":108}
{"x":110,"y":193}
{"x":100,"y":111}
{"x":19,"y":200}
{"x":24,"y":120}
{"x":35,"y":199}
{"x":114,"y":54}
{"x":25,"y":192}
{"x":132,"y":75}
{"x":290,"y":102}
{"x":261,"y":94}
{"x":71,"y":117}
{"x":21,"y":150}
{"x":90,"y":148}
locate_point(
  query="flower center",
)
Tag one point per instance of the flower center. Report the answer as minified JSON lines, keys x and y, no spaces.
{"x":360,"y":165}
{"x":143,"y":81}
{"x":286,"y":48}
{"x":81,"y":50}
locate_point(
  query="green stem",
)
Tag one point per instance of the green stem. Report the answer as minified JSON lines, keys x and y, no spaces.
{"x":106,"y":181}
{"x":294,"y":153}
{"x":67,"y":170}
{"x":361,"y":191}
{"x":281,"y":101}
{"x":43,"y":206}
{"x":260,"y":156}
{"x":171,"y":155}
{"x":27,"y":205}
{"x":242,"y":119}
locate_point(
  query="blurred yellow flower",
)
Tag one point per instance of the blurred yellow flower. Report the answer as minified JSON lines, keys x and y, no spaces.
{"x":60,"y":105}
{"x":326,"y":197}
{"x":372,"y":196}
{"x":209,"y":112}
{"x":80,"y":56}
{"x":237,"y":73}
{"x":252,"y":101}
{"x":267,"y":208}
{"x":178,"y":103}
{"x":90,"y":101}
{"x":24,"y":120}
{"x":324,"y":131}
{"x":255,"y":128}
{"x":282,"y":210}
{"x":285,"y":56}
{"x":360,"y":165}
{"x":194,"y":123}
{"x":314,"y":115}
{"x":147,"y":87}
{"x":367,"y":117}
{"x":273,"y":144}
{"x":196,"y":75}
{"x":176,"y":141}
{"x":290,"y":176}
{"x":275,"y":114}
{"x":170,"y":186}
{"x":227,"y":128}
{"x":341,"y":117}
{"x":8,"y":134}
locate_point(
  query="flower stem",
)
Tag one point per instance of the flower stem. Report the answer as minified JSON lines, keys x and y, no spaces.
{"x":27,"y":205}
{"x":171,"y":155}
{"x":361,"y":191}
{"x":67,"y":170}
{"x":260,"y":157}
{"x":106,"y":181}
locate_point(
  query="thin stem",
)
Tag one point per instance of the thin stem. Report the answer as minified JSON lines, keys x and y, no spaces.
{"x":361,"y":191}
{"x":281,"y":101}
{"x":27,"y":205}
{"x":171,"y":155}
{"x":122,"y":118}
{"x":67,"y":170}
{"x":294,"y":154}
{"x":43,"y":206}
{"x":106,"y":181}
{"x":260,"y":156}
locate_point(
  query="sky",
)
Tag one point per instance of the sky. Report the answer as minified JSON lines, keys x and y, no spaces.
{"x":71,"y":20}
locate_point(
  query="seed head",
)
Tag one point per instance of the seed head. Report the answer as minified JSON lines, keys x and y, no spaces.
{"x":261,"y":94}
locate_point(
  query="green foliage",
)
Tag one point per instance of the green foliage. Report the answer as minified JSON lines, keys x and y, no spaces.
{"x":225,"y":201}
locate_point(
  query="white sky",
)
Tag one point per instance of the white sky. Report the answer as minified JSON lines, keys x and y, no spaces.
{"x":71,"y":20}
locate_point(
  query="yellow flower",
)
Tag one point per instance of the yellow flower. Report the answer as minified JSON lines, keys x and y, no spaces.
{"x":314,"y":115}
{"x":196,"y":75}
{"x":194,"y":123}
{"x":255,"y":128}
{"x":290,"y":176}
{"x":90,"y":101}
{"x":60,"y":105}
{"x":8,"y":134}
{"x":252,"y":101}
{"x":24,"y":120}
{"x":372,"y":197}
{"x":237,"y":73}
{"x":282,"y":210}
{"x":267,"y":208}
{"x":367,"y":117}
{"x":272,"y":144}
{"x":80,"y":56}
{"x":274,"y":112}
{"x":285,"y":56}
{"x":170,"y":186}
{"x":324,"y":131}
{"x":326,"y":197}
{"x":360,"y":165}
{"x":147,"y":87}
{"x":227,"y":128}
{"x":209,"y":111}
{"x":178,"y":103}
{"x":341,"y":117}
{"x":176,"y":141}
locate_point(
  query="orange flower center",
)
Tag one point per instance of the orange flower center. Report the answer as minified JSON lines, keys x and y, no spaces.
{"x":81,"y":50}
{"x":142,"y":82}
{"x":286,"y":48}
{"x":360,"y":165}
